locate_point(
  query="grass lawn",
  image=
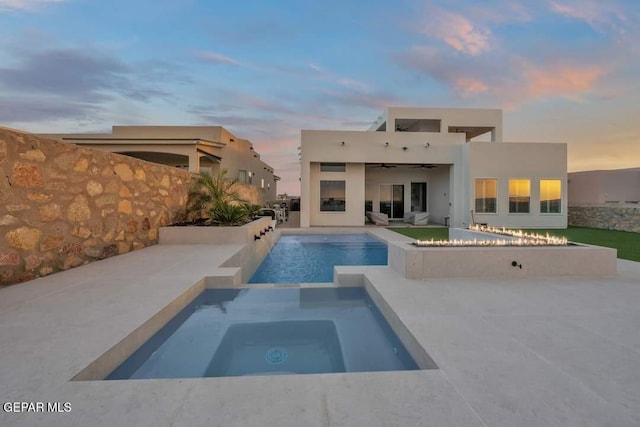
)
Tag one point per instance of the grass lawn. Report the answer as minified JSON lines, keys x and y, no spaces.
{"x":627,"y":244}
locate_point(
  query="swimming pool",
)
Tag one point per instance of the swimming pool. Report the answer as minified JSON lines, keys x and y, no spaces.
{"x":308,"y":258}
{"x":236,"y":332}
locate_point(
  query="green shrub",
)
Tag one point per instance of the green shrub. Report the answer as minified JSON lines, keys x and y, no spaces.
{"x":215,"y":201}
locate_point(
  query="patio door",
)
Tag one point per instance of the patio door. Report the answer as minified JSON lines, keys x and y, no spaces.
{"x":392,"y":200}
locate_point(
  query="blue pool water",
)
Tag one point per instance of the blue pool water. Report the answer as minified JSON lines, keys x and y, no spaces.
{"x":231,"y":332}
{"x":311,"y":258}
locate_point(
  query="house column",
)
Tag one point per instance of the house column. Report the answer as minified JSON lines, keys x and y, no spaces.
{"x":305,"y":200}
{"x":194,"y":162}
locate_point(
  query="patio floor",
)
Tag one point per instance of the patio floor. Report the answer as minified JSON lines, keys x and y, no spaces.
{"x":544,"y":352}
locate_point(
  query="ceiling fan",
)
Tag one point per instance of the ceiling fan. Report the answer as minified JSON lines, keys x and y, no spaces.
{"x":425,"y":166}
{"x":384,"y":165}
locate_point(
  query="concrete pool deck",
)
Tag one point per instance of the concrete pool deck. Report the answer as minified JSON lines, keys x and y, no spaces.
{"x":527,"y":352}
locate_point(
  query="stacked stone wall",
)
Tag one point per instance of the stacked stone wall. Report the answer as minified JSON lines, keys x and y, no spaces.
{"x":62,"y":206}
{"x":622,"y":217}
{"x":250,"y":193}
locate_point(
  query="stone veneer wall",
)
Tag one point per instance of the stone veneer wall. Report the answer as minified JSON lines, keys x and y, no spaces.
{"x":250,"y":193}
{"x":622,"y":217}
{"x":62,"y":206}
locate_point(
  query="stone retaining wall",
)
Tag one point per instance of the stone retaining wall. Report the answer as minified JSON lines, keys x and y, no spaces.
{"x":622,"y":217}
{"x":62,"y":206}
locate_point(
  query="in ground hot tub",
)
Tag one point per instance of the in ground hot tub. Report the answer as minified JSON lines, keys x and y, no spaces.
{"x":267,"y":331}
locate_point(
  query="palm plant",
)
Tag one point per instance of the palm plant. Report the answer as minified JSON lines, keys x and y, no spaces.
{"x":252,"y":210}
{"x":226,"y":214}
{"x":216,"y":200}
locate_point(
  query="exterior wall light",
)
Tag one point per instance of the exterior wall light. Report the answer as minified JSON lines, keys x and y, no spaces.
{"x":427,"y":145}
{"x":386,"y":144}
{"x":342,"y":143}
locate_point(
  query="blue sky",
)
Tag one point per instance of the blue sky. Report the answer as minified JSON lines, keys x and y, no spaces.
{"x":562,"y":70}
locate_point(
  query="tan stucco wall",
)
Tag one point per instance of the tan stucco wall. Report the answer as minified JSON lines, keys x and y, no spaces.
{"x":533,"y":161}
{"x":370,"y":147}
{"x":62,"y":206}
{"x":449,"y":117}
{"x":354,"y":195}
{"x":622,"y":185}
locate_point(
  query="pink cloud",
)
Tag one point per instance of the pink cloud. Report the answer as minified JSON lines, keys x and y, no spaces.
{"x":470,"y":86}
{"x":457,"y":31}
{"x":512,"y":81}
{"x":560,"y":79}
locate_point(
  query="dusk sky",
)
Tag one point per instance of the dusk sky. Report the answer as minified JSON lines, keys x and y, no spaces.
{"x":562,"y":70}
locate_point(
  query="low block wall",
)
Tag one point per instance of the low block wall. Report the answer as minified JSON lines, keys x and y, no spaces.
{"x":62,"y":206}
{"x":621,"y":217}
{"x":483,"y":262}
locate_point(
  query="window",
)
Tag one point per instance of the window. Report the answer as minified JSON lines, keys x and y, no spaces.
{"x":333,"y":167}
{"x":332,"y":196}
{"x":261,"y":182}
{"x":486,"y":195}
{"x":242,"y":176}
{"x":519,"y":195}
{"x":550,"y":195}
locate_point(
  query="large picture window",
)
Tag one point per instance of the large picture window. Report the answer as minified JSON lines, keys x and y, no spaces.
{"x":333,"y":167}
{"x":519,"y":195}
{"x":550,"y":195}
{"x":332,"y":196}
{"x":486,"y":195}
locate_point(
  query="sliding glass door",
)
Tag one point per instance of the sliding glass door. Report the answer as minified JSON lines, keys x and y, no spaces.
{"x":392,"y":200}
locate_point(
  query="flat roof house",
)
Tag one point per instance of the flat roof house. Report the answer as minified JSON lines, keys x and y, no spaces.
{"x":196,"y":148}
{"x":429,"y":160}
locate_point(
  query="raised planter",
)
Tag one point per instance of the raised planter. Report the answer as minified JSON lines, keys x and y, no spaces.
{"x":248,"y":257}
{"x":191,"y":235}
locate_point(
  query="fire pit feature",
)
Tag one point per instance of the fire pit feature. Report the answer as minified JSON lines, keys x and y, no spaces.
{"x":484,"y":252}
{"x":513,"y":238}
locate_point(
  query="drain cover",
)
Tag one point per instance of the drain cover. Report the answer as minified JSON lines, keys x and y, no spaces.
{"x":276,"y":355}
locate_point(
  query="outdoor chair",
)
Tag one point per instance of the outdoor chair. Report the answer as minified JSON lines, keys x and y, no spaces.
{"x":416,"y":218}
{"x":378,"y":218}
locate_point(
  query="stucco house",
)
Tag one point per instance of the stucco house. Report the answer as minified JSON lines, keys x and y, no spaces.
{"x":196,"y":148}
{"x":449,"y":163}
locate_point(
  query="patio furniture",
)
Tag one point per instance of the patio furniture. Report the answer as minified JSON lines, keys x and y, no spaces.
{"x":416,"y":218}
{"x":378,"y":218}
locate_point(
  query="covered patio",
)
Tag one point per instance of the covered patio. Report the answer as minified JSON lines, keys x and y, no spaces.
{"x":412,"y":193}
